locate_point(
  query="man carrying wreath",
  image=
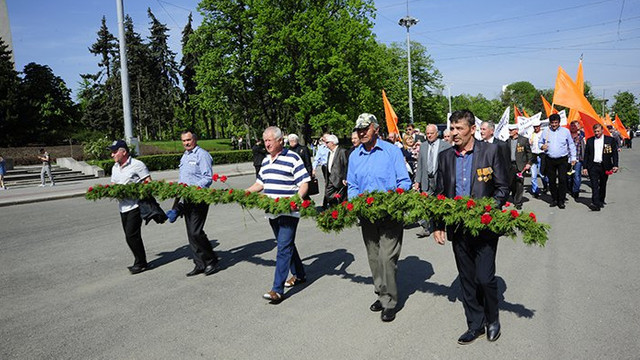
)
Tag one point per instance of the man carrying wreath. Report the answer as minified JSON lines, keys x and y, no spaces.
{"x":476,"y":169}
{"x":377,"y":165}
{"x":282,"y":175}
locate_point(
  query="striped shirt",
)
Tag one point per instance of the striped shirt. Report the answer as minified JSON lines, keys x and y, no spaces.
{"x":282,"y":176}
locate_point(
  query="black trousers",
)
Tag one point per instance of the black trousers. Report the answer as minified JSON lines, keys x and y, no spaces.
{"x":131,"y":224}
{"x":556,"y":171}
{"x":598,"y":179}
{"x":476,"y":262}
{"x":517,"y":186}
{"x":195,"y":216}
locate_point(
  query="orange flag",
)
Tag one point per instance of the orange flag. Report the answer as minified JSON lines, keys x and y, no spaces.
{"x":390,"y":115}
{"x":525,"y":112}
{"x":574,"y":114}
{"x":607,"y":120}
{"x":567,"y":94}
{"x":547,"y":107}
{"x":620,"y":126}
{"x":516,"y":113}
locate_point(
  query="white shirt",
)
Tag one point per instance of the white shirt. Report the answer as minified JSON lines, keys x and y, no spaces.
{"x":490,"y":140}
{"x":598,"y":148}
{"x":332,"y":156}
{"x":133,"y":171}
{"x":533,"y":141}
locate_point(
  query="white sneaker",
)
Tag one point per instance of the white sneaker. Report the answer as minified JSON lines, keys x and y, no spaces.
{"x":41,"y":185}
{"x":52,"y":184}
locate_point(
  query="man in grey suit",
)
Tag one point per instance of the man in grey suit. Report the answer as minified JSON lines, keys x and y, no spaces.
{"x":335,"y":171}
{"x":426,"y":172}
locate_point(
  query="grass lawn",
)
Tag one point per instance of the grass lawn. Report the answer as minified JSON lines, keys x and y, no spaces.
{"x":176,"y":145}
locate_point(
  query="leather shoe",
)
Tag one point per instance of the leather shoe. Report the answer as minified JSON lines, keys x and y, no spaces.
{"x":561,"y":205}
{"x":376,"y":306}
{"x":470,"y":336}
{"x":388,"y":314}
{"x":553,"y":204}
{"x":137,"y":269}
{"x":211,"y":269}
{"x":196,"y":270}
{"x":493,"y":331}
{"x":536,"y":195}
{"x":519,"y":207}
{"x":424,"y":233}
{"x":594,"y":207}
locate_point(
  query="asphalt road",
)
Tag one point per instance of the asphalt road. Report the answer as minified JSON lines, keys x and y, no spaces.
{"x":66,"y":292}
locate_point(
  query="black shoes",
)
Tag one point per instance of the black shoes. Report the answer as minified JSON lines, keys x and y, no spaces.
{"x":536,"y":195}
{"x":388,"y":315}
{"x":493,"y":331}
{"x":137,"y":269}
{"x":376,"y":306}
{"x":196,"y":270}
{"x":519,"y":207}
{"x":553,"y":204}
{"x":471,"y":335}
{"x":211,"y":269}
{"x":594,"y":207}
{"x":561,"y":205}
{"x":424,"y":233}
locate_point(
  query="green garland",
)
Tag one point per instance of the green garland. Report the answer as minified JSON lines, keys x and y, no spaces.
{"x":406,"y":207}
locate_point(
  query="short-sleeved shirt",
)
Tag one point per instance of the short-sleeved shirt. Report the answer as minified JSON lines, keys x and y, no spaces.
{"x":282,"y":176}
{"x":133,"y":171}
{"x":196,"y":167}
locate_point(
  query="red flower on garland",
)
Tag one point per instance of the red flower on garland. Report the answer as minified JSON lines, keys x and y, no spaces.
{"x":170,"y":182}
{"x":504,"y":210}
{"x":184,"y":185}
{"x":199,"y":188}
{"x":441,"y":197}
{"x":424,"y":194}
{"x":223,"y":178}
{"x":533,"y":217}
{"x":90,"y":188}
{"x":360,"y":195}
{"x":400,"y":190}
{"x":390,"y":191}
{"x":350,"y":206}
{"x":344,"y":203}
{"x":458,"y":197}
{"x":230,"y":191}
{"x":334,"y":214}
{"x":514,"y":214}
{"x":293,"y":206}
{"x":487,"y":208}
{"x":470,"y":204}
{"x":306,"y":203}
{"x":215,"y":177}
{"x":247,"y":193}
{"x":337,"y":196}
{"x":276,"y":199}
{"x":507,"y":204}
{"x":486,"y":219}
{"x":106,"y":186}
{"x":370,"y":200}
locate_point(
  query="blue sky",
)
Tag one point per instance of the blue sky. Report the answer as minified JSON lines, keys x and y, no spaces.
{"x":478,"y":46}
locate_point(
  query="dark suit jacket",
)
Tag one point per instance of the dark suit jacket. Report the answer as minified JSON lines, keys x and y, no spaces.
{"x":504,"y":149}
{"x":305,"y":155}
{"x":485,"y":156}
{"x":338,"y":173}
{"x":609,"y":153}
{"x":422,"y":176}
{"x":523,"y":152}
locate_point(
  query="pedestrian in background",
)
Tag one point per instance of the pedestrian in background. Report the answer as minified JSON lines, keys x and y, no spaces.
{"x":3,"y":172}
{"x":46,"y":168}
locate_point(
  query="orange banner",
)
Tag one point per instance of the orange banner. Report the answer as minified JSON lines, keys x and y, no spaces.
{"x":548,"y":109}
{"x":620,"y":126}
{"x":516,"y":113}
{"x":390,"y":115}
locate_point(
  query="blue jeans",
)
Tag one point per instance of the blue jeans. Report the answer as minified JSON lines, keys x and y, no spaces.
{"x":575,"y":180}
{"x":535,"y":171}
{"x":284,"y":229}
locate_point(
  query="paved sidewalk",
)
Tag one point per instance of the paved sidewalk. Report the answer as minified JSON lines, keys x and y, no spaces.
{"x":30,"y":194}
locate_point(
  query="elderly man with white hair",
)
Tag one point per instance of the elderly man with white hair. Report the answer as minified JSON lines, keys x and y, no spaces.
{"x":303,"y":151}
{"x":335,"y":173}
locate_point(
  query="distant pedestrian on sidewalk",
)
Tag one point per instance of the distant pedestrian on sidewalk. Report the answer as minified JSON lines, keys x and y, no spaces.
{"x":46,"y":167}
{"x":127,"y":170}
{"x":3,"y":172}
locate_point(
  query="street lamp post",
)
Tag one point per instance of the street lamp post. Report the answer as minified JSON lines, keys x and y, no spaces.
{"x":407,"y":22}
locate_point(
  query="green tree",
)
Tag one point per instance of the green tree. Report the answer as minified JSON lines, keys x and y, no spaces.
{"x":483,"y":108}
{"x":9,"y":91}
{"x":626,"y":107}
{"x":524,"y":95}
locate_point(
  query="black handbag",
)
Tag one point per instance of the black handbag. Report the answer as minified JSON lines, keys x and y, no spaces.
{"x":313,"y":187}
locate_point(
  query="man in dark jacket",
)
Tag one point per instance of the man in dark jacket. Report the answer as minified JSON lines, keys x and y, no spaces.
{"x":303,"y":151}
{"x":520,"y":161}
{"x":259,"y":152}
{"x":476,"y":169}
{"x":601,"y":159}
{"x":335,"y":171}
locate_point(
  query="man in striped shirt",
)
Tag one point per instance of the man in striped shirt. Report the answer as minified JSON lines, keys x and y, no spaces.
{"x":282,"y":175}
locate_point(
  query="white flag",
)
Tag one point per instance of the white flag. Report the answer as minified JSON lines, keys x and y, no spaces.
{"x":502,"y":128}
{"x":525,"y":124}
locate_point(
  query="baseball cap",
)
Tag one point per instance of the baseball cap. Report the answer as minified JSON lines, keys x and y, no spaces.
{"x":117,"y":145}
{"x":536,"y":122}
{"x":513,"y":126}
{"x":364,"y":120}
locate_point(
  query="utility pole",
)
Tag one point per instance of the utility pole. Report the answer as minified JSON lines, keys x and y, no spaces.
{"x":449,"y":88}
{"x":124,"y":76}
{"x":407,"y":22}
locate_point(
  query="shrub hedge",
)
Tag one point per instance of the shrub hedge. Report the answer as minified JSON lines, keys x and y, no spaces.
{"x":171,"y":161}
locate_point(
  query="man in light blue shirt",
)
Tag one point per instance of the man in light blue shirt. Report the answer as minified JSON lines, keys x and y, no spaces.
{"x":377,"y":165}
{"x":196,"y":169}
{"x":322,"y":155}
{"x":560,"y":149}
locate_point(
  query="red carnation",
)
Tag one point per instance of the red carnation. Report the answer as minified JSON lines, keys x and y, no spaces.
{"x":609,"y":172}
{"x":507,"y":204}
{"x":400,"y":190}
{"x":90,"y":188}
{"x":306,"y":203}
{"x":293,"y":205}
{"x":199,"y":188}
{"x":470,"y":204}
{"x":230,"y":191}
{"x":215,"y":177}
{"x":486,"y":219}
{"x":370,"y":200}
{"x":514,"y":214}
{"x":504,"y":210}
{"x":276,"y":199}
{"x":344,"y":203}
{"x":247,"y":193}
{"x":337,"y":196}
{"x":458,"y":197}
{"x":441,"y":197}
{"x":106,"y":186}
{"x":334,"y":214}
{"x":389,"y":191}
{"x":533,"y":217}
{"x":424,"y":194}
{"x":487,"y":208}
{"x":223,"y":178}
{"x":350,"y":206}
{"x":360,"y":195}
{"x":170,"y":182}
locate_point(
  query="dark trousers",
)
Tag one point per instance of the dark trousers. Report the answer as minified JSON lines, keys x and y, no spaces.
{"x":517,"y":186}
{"x":556,"y":171}
{"x":131,"y":224}
{"x":194,"y":217}
{"x":476,"y":262}
{"x":598,"y":179}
